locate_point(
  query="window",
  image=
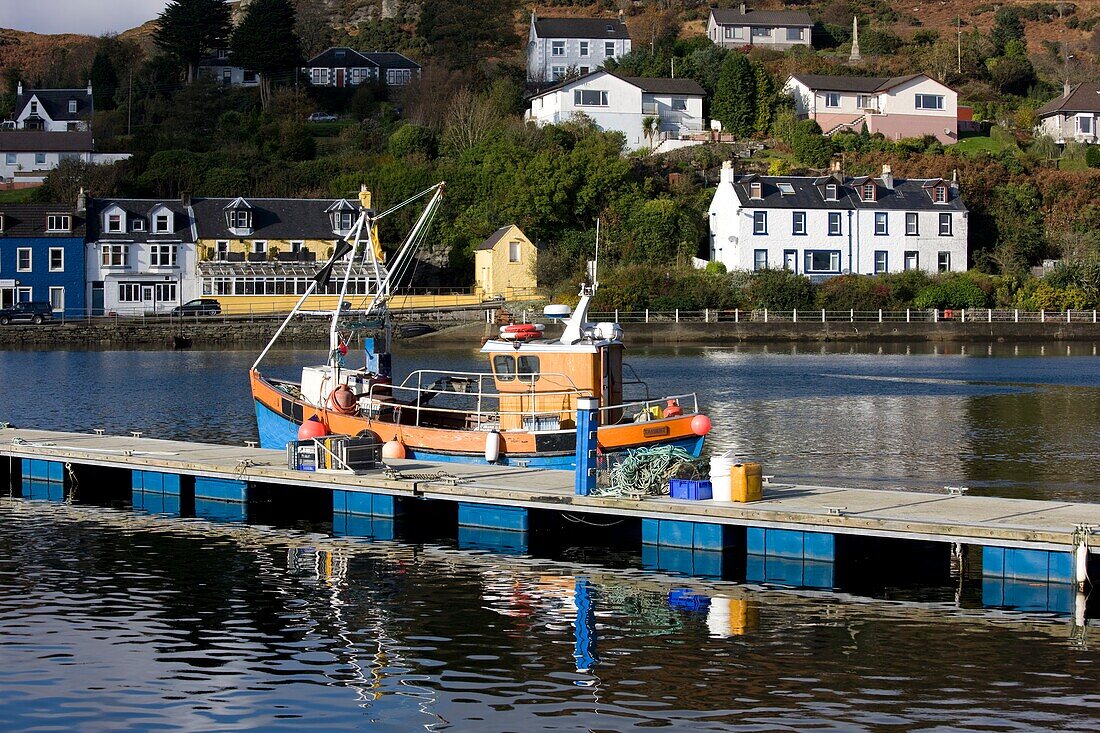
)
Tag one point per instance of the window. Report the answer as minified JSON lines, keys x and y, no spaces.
{"x":798,"y":223}
{"x":1084,"y":125}
{"x":679,"y":104}
{"x":162,"y":223}
{"x":831,"y":192}
{"x":912,"y":228}
{"x":609,"y":49}
{"x":166,"y":292}
{"x":796,"y":34}
{"x":528,"y":368}
{"x":584,"y":48}
{"x":318,"y":76}
{"x":513,"y":251}
{"x":129,"y":292}
{"x":863,"y":101}
{"x":115,"y":255}
{"x":759,"y":222}
{"x":785,"y":189}
{"x":296,"y":247}
{"x":114,"y":223}
{"x":881,"y":229}
{"x":34,"y":107}
{"x":945,"y":225}
{"x":343,"y":220}
{"x":912,"y":260}
{"x":10,"y":158}
{"x":834,"y":224}
{"x":939,"y":194}
{"x":869,"y":191}
{"x":259,"y":247}
{"x":221,"y":250}
{"x":557,"y":73}
{"x":1,"y":222}
{"x":557,"y":48}
{"x":790,"y":260}
{"x":943,"y":262}
{"x":756,"y":190}
{"x":822,"y":260}
{"x":504,"y":367}
{"x":23,"y":259}
{"x":929,"y":101}
{"x":57,"y":259}
{"x":589,"y":98}
{"x":398,"y":77}
{"x":239,"y":219}
{"x":227,"y":76}
{"x":758,"y":32}
{"x":881,"y":262}
{"x":57,"y":299}
{"x":24,"y":295}
{"x":729,"y":31}
{"x":72,"y":106}
{"x":40,"y":159}
{"x":832,"y":99}
{"x":162,"y":255}
{"x":138,"y":225}
{"x":760,"y":259}
{"x":584,"y":70}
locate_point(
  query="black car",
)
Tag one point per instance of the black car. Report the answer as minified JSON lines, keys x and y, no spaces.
{"x":34,"y":312}
{"x":198,"y":307}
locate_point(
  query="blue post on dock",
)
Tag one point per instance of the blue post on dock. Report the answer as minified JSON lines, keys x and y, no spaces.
{"x":588,"y":422}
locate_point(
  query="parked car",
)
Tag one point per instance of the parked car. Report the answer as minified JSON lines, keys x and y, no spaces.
{"x":198,"y":307}
{"x":33,"y":312}
{"x":322,"y":117}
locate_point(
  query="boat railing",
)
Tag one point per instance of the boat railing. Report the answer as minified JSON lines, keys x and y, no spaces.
{"x":688,"y":402}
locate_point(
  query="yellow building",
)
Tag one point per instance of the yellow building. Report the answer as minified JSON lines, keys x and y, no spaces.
{"x":259,"y":255}
{"x":504,"y":264}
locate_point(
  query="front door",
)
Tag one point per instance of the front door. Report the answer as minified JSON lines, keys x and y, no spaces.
{"x":97,"y":299}
{"x":148,"y":298}
{"x":339,"y":77}
{"x":790,"y":260}
{"x":7,"y":297}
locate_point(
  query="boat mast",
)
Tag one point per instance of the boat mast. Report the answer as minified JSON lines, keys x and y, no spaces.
{"x":354,"y":237}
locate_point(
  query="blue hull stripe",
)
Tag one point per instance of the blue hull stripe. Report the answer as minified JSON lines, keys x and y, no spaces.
{"x":276,"y":431}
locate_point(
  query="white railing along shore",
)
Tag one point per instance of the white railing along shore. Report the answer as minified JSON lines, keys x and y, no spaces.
{"x":912,"y":315}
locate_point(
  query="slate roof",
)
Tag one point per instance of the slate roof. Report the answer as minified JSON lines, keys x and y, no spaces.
{"x":907,"y":194}
{"x":41,"y":141}
{"x":733,"y":16}
{"x":665,"y":86}
{"x":494,"y":238}
{"x":602,"y":28}
{"x":859,"y":84}
{"x":55,"y":103}
{"x":29,"y":220}
{"x":271,"y":218}
{"x":1084,"y":97}
{"x":182,"y":219}
{"x":331,"y":59}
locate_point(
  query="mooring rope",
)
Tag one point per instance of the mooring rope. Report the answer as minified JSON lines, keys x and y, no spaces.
{"x":646,"y":472}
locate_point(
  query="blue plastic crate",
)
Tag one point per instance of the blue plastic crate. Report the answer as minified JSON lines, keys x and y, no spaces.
{"x":679,"y":488}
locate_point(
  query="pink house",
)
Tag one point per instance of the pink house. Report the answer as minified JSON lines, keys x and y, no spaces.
{"x":898,"y":107}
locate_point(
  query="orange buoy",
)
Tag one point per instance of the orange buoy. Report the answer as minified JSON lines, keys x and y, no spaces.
{"x":342,"y":400}
{"x":672,"y":408}
{"x":700,"y":425}
{"x":393,"y":449}
{"x":312,"y":428}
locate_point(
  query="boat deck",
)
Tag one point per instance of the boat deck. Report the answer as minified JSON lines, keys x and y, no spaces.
{"x":943,"y":517}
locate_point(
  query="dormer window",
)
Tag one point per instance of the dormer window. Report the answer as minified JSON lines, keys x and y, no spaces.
{"x":138,"y":225}
{"x":238,"y":219}
{"x":72,"y":106}
{"x":756,"y":190}
{"x":1,"y":223}
{"x":34,"y":107}
{"x":59,"y":223}
{"x":939,"y":194}
{"x":162,"y":223}
{"x":870,"y":191}
{"x":115,"y":224}
{"x":340,"y":53}
{"x":343,"y":221}
{"x":831,"y":192}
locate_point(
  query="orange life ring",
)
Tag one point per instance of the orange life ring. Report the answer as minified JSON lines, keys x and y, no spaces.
{"x":948,"y":314}
{"x":520,"y":328}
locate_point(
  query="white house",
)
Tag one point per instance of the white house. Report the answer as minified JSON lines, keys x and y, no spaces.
{"x":776,"y":29}
{"x":220,"y":68}
{"x":26,"y":156}
{"x":1072,"y":116}
{"x":673,"y":108}
{"x":833,"y":224}
{"x":53,"y":110}
{"x":559,"y":46}
{"x":903,"y":106}
{"x":141,"y":255}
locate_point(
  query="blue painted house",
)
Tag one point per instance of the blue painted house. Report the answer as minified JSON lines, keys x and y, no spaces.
{"x":42,"y":256}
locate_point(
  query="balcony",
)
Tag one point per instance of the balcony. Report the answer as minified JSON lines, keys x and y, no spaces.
{"x":303,"y":256}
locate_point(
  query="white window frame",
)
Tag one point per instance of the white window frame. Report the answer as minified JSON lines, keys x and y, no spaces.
{"x":939,"y":194}
{"x":798,"y":224}
{"x":259,"y":247}
{"x":40,"y":159}
{"x":760,"y":223}
{"x":584,"y":47}
{"x":221,"y":247}
{"x":165,"y":292}
{"x":557,"y":48}
{"x":24,"y":295}
{"x":129,"y":292}
{"x":943,"y":261}
{"x":137,"y":225}
{"x":11,"y":159}
{"x":1091,"y":124}
{"x":20,"y":253}
{"x":59,"y":304}
{"x":946,"y":226}
{"x":557,"y":73}
{"x":514,"y":251}
{"x":929,"y":101}
{"x":832,"y":100}
{"x":759,"y":31}
{"x":58,"y":251}
{"x":157,"y":228}
{"x":72,"y":106}
{"x":911,"y":256}
{"x":759,"y":259}
{"x":796,"y":34}
{"x":162,"y":255}
{"x":809,"y":268}
{"x":116,"y":223}
{"x":882,"y":224}
{"x":59,"y":223}
{"x":832,"y":192}
{"x":679,"y":104}
{"x":835,"y":218}
{"x":882,"y":262}
{"x":609,"y":49}
{"x":114,"y":255}
{"x":869,"y":191}
{"x":912,"y":224}
{"x":599,"y":95}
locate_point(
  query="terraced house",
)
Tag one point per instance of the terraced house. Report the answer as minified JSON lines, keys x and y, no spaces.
{"x":42,"y":256}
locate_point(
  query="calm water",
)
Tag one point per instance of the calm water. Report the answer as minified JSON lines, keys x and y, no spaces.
{"x":112,"y":620}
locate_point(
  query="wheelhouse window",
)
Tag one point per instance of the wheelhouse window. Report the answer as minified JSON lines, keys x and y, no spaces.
{"x":881,"y":229}
{"x":798,"y":224}
{"x":881,"y":262}
{"x":835,"y":223}
{"x":759,"y":222}
{"x":589,"y":98}
{"x":504,"y":367}
{"x":929,"y":101}
{"x":760,"y":259}
{"x":912,"y":225}
{"x":528,"y":369}
{"x":822,"y":261}
{"x":945,"y":225}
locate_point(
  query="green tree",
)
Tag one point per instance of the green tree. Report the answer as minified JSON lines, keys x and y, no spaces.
{"x":1016,"y":211}
{"x":766,"y":98}
{"x":460,"y":34}
{"x":265,"y":42}
{"x":1012,"y":74}
{"x":1007,"y":26}
{"x":189,"y":29}
{"x":735,"y":96}
{"x":104,"y":81}
{"x":810,"y":146}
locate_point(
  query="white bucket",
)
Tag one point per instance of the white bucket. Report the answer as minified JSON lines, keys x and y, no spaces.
{"x":721,"y":476}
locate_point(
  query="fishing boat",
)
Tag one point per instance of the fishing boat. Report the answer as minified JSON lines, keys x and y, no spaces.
{"x":521,"y":410}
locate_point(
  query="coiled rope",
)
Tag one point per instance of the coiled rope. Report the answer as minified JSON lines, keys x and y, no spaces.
{"x":646,"y":472}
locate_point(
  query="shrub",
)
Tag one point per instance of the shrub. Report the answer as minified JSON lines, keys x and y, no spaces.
{"x":853,"y":292}
{"x":952,"y":291}
{"x":1092,"y":156}
{"x":780,"y":290}
{"x":904,"y":286}
{"x":411,"y":139}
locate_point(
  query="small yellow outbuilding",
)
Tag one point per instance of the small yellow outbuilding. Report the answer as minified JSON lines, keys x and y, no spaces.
{"x":504,"y":264}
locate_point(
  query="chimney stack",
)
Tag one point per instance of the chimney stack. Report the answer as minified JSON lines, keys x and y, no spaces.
{"x":89,"y":87}
{"x":81,"y":201}
{"x":887,"y":176}
{"x":1066,"y":88}
{"x":19,"y":89}
{"x":726,"y":176}
{"x":185,"y":198}
{"x":744,"y":10}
